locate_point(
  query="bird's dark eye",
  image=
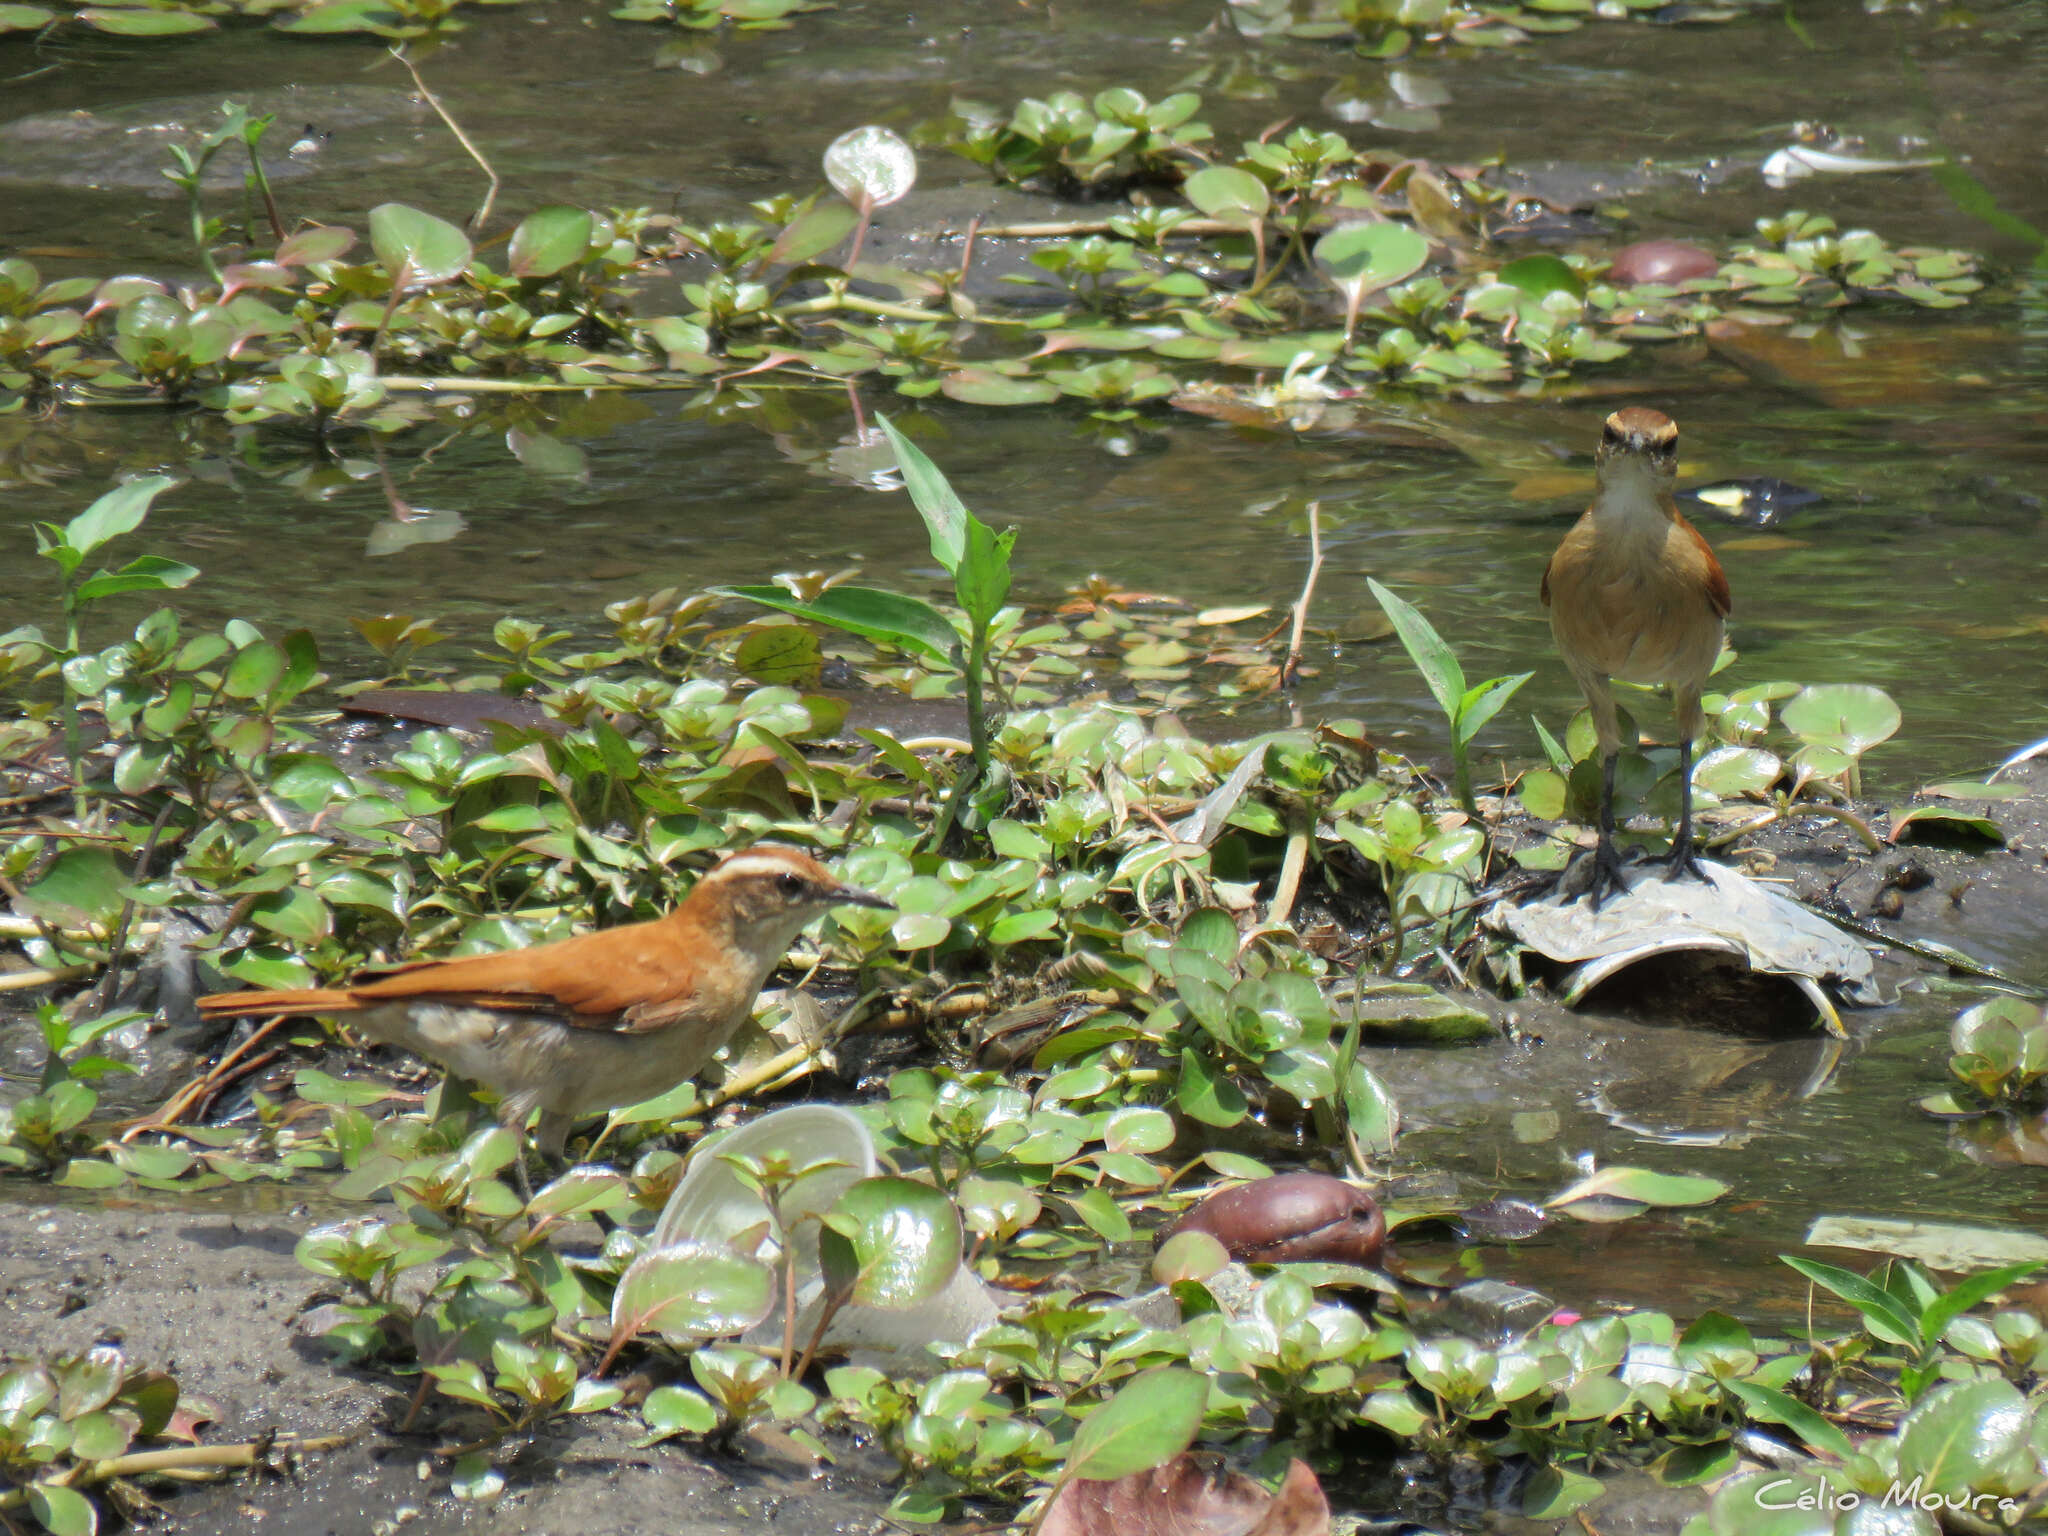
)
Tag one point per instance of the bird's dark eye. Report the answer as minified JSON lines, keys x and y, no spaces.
{"x":1610,"y":434}
{"x":789,"y":885}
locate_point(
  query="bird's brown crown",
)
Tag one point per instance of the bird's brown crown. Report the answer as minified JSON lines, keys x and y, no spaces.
{"x":1648,"y":434}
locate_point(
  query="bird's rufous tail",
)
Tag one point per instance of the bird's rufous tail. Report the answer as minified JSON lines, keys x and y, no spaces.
{"x":232,"y":1005}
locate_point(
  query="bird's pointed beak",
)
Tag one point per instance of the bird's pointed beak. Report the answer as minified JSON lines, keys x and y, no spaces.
{"x":853,"y":896}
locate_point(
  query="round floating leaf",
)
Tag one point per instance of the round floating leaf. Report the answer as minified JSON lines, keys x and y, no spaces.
{"x":23,"y":18}
{"x":547,"y":240}
{"x":126,"y":23}
{"x":1227,"y":193}
{"x":985,"y":386}
{"x":1539,"y":276}
{"x":870,"y":167}
{"x":1643,"y":1186}
{"x":1151,"y":1420}
{"x":1853,"y":717}
{"x":1362,"y":257}
{"x":891,"y":1242}
{"x":418,"y":249}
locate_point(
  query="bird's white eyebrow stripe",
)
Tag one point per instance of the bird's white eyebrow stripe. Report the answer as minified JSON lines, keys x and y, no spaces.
{"x":741,"y":865}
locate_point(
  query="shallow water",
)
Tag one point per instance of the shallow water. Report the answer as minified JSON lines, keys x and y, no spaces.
{"x":1919,"y":571}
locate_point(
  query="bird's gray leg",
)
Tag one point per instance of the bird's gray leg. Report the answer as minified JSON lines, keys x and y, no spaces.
{"x":1683,"y":860}
{"x":1607,"y":878}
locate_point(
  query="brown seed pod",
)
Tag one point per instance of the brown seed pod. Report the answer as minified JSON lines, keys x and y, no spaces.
{"x":1660,"y":261}
{"x":1298,"y":1216}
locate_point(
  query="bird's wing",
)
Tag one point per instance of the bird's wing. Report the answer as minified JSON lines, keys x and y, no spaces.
{"x":633,"y":979}
{"x":1713,"y":580}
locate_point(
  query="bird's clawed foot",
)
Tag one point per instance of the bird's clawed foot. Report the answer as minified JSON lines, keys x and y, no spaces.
{"x":1684,"y":860}
{"x":1607,"y":880}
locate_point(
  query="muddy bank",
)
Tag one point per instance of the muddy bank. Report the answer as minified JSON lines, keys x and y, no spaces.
{"x":207,"y":1288}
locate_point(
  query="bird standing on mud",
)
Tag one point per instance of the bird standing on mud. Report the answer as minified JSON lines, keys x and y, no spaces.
{"x":589,"y":1023}
{"x":1634,"y":592}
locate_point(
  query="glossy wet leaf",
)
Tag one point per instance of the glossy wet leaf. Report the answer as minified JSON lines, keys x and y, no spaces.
{"x":1769,"y":1504}
{"x":119,"y":511}
{"x":1365,"y":256}
{"x":810,"y":235}
{"x":676,"y":1411}
{"x":1775,"y":1407}
{"x":690,"y":1290}
{"x":417,"y":248}
{"x":1540,"y":275}
{"x":891,"y":1242}
{"x":1967,"y":1436}
{"x":547,"y":240}
{"x":63,"y":1511}
{"x":1853,"y":717}
{"x":1227,"y":193}
{"x":1153,"y":1418}
{"x":1643,"y":1186}
{"x":870,"y":167}
{"x":985,"y":386}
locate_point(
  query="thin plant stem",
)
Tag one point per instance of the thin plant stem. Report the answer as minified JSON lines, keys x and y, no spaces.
{"x":1290,"y":672}
{"x":483,"y":212}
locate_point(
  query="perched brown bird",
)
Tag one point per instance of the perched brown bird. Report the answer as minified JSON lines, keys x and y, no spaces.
{"x":592,"y":1022}
{"x":1635,"y":593}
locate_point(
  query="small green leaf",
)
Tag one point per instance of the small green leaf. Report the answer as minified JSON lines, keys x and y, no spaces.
{"x":547,"y":240}
{"x":1775,"y":1407}
{"x":689,"y":1290}
{"x":145,"y":573}
{"x":889,"y":617}
{"x":1227,"y":193}
{"x":902,"y":1238}
{"x":1554,"y":1492}
{"x":1365,"y":256}
{"x":1541,"y":274}
{"x":945,"y":516}
{"x":417,"y":249}
{"x":1152,"y":1419}
{"x":1432,"y":658}
{"x":120,"y":511}
{"x":123,"y":22}
{"x":63,"y":1511}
